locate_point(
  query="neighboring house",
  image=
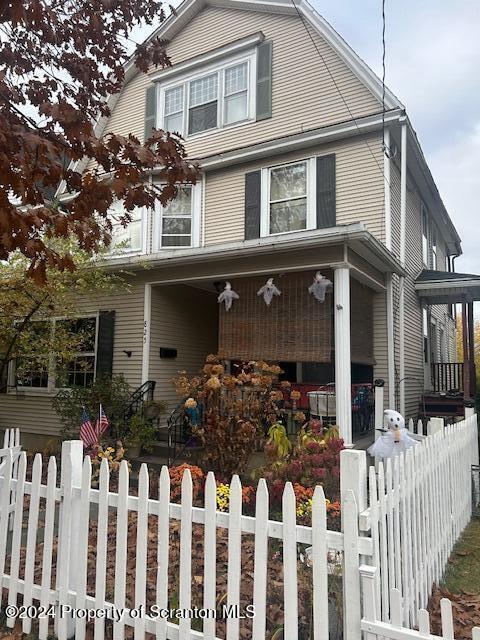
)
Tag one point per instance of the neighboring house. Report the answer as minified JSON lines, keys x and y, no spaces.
{"x":287,"y":124}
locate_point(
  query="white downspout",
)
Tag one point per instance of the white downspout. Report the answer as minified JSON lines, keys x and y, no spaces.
{"x":390,"y":344}
{"x":386,"y":183}
{"x":401,"y":301}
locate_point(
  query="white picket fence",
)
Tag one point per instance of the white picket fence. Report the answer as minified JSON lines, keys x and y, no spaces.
{"x":399,"y":525}
{"x":375,"y":628}
{"x":419,"y":503}
{"x":76,"y":497}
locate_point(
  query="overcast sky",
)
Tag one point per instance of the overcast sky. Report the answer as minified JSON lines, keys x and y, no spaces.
{"x":433,"y":66}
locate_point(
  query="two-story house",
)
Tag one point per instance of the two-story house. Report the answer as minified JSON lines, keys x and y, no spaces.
{"x":304,"y":170}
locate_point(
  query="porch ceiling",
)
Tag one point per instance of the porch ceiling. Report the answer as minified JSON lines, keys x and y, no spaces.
{"x":443,"y":287}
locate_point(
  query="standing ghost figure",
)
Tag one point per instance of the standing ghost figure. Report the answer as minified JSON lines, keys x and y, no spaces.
{"x":227,"y":296}
{"x":395,"y":441}
{"x":319,"y":287}
{"x":268,"y":291}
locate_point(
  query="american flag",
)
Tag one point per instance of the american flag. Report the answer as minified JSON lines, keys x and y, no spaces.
{"x":87,"y":432}
{"x":102,"y":423}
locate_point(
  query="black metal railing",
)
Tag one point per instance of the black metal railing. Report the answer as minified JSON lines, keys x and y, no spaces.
{"x":179,"y":428}
{"x":447,"y":376}
{"x":143,"y":394}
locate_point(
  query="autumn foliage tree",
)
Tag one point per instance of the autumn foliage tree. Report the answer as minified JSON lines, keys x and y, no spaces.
{"x":60,"y":60}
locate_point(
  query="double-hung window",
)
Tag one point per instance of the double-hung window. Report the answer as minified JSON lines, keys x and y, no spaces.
{"x":424,"y":235}
{"x":177,"y":225}
{"x":203,"y":104}
{"x":434,"y":250}
{"x":44,"y":371}
{"x":288,"y":198}
{"x":219,"y":96}
{"x":129,"y":238}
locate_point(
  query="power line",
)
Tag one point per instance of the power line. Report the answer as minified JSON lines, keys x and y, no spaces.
{"x":362,"y":135}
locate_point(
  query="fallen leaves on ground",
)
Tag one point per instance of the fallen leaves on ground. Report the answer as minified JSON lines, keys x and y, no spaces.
{"x":465,"y":609}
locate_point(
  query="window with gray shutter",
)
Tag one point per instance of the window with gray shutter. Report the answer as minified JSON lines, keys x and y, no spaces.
{"x":326,"y":197}
{"x":264,"y":80}
{"x":150,"y":109}
{"x":252,"y":204}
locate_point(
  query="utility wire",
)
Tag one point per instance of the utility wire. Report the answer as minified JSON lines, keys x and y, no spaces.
{"x":362,"y":135}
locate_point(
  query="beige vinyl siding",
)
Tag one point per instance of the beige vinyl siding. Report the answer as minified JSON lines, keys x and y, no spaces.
{"x":380,"y":341}
{"x":183,"y":318}
{"x":34,"y":413}
{"x":304,"y":95}
{"x":359,"y":189}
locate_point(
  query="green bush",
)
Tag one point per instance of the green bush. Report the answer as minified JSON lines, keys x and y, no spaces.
{"x":112,"y":392}
{"x":142,"y":432}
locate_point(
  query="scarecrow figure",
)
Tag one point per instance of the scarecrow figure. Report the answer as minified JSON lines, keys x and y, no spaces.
{"x":227,"y":296}
{"x":268,"y":291}
{"x":396,"y":438}
{"x":319,"y":287}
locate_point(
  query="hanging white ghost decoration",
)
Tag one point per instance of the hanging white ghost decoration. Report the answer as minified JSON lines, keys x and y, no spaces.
{"x":395,"y":441}
{"x":319,"y":287}
{"x":227,"y":296}
{"x":268,"y":291}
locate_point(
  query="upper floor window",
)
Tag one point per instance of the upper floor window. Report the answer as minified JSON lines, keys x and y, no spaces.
{"x":129,"y":238}
{"x":288,"y":198}
{"x":424,"y":235}
{"x":219,"y":97}
{"x":178,"y":224}
{"x":434,"y":250}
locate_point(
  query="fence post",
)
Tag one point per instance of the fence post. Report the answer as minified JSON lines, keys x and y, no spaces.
{"x":368,"y":577}
{"x":353,"y":476}
{"x":71,"y":462}
{"x":435,"y":425}
{"x":353,"y":491}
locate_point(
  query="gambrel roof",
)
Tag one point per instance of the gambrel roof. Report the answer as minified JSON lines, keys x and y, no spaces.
{"x":188,"y":9}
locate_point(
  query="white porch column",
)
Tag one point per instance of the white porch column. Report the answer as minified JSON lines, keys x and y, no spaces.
{"x":343,"y":377}
{"x":147,"y":317}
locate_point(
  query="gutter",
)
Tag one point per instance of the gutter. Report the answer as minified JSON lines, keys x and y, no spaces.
{"x":261,"y":246}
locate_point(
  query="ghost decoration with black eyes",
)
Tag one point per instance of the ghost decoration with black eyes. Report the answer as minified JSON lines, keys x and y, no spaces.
{"x":396,"y":438}
{"x":319,"y":287}
{"x":268,"y":291}
{"x":227,"y":296}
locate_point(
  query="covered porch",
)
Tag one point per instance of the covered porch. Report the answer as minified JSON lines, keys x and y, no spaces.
{"x":336,"y":343}
{"x":450,"y":384}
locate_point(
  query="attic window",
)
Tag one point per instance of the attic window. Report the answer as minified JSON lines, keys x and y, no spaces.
{"x":216,"y":97}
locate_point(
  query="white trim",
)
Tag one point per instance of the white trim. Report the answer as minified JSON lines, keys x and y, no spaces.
{"x":401,"y":343}
{"x":387,"y":193}
{"x":196,"y":222}
{"x":433,"y":285}
{"x":403,"y":194}
{"x":208,"y":58}
{"x":343,"y":359}
{"x":147,"y":319}
{"x":299,"y":141}
{"x":249,"y":58}
{"x":310,"y":197}
{"x":390,"y":344}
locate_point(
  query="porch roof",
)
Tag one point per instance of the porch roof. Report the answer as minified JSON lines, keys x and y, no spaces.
{"x":445,"y":287}
{"x":355,"y":237}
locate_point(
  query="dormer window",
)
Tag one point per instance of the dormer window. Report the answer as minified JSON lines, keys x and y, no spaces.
{"x":220,"y":96}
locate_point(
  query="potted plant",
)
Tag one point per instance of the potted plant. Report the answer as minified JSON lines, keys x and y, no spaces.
{"x":152,"y":409}
{"x":141,"y":435}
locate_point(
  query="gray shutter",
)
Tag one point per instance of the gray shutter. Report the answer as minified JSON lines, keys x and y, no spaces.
{"x":264,"y":80}
{"x":252,"y":204}
{"x":326,"y":205}
{"x":106,"y":330}
{"x":150,"y":109}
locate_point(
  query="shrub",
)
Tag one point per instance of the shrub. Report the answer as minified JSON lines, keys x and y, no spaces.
{"x":176,"y":475}
{"x":229,"y":414}
{"x":112,"y":392}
